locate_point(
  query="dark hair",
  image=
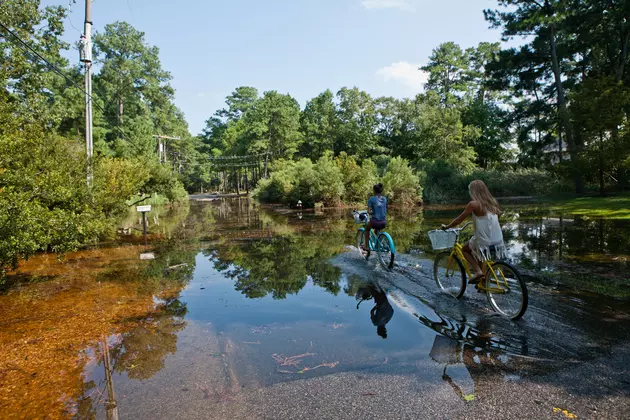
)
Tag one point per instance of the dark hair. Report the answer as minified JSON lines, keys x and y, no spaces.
{"x":378,"y":189}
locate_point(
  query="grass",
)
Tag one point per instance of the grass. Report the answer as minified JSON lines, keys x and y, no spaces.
{"x":617,"y":207}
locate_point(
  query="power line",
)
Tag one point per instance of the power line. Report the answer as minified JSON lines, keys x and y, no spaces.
{"x":26,"y":47}
{"x":237,"y":157}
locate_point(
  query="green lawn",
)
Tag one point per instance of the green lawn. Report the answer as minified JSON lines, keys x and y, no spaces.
{"x":617,"y":207}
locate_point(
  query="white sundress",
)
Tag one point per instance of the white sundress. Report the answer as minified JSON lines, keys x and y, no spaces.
{"x":487,"y":235}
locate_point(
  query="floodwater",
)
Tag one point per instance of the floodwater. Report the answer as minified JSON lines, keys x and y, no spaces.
{"x":227,"y":300}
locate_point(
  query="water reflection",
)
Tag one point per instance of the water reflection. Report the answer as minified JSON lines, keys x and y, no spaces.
{"x":146,"y":307}
{"x":382,"y":312}
{"x":474,"y":350}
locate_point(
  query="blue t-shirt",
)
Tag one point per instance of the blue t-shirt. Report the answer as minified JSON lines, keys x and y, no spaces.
{"x":378,"y":205}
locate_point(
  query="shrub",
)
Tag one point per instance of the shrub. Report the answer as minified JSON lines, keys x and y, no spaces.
{"x":44,"y":200}
{"x":401,"y":185}
{"x":358,"y":180}
{"x":303,"y":180}
{"x":328,"y":185}
{"x":444,"y":183}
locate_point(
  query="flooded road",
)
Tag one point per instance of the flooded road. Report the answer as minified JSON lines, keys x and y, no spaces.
{"x":240,"y":312}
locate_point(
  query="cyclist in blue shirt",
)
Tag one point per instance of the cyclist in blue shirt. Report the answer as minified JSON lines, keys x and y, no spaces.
{"x":377,"y":206}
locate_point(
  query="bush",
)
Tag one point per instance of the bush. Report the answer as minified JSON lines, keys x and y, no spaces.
{"x":115,"y":180}
{"x":328,"y":184}
{"x":303,"y":180}
{"x":444,"y":183}
{"x":401,"y":185}
{"x":45,"y":203}
{"x":44,"y":200}
{"x":358,"y":180}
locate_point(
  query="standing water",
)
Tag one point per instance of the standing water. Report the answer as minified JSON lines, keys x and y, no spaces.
{"x":237,"y":311}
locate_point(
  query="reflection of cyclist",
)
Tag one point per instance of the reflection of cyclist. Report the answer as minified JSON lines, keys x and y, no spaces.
{"x":460,"y":344}
{"x":377,"y":206}
{"x":382,"y":312}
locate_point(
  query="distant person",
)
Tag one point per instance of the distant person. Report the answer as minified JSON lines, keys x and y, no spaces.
{"x":488,"y":238}
{"x":377,"y":207}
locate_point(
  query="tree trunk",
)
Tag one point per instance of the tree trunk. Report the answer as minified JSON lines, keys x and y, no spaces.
{"x":266,"y":161}
{"x":602,"y":190}
{"x":564,"y":113}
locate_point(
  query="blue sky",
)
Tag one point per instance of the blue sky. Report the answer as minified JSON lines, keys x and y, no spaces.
{"x":301,"y":47}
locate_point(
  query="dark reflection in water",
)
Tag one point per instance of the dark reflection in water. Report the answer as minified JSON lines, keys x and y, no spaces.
{"x":382,"y":312}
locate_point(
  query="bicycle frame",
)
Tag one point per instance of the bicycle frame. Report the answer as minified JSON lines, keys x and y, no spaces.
{"x":502,"y":285}
{"x":372,"y":243}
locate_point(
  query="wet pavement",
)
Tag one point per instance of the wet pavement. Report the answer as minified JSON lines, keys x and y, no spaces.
{"x":268,"y":313}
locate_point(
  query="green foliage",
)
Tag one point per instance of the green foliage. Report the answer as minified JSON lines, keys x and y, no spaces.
{"x":328,"y":181}
{"x":319,"y":123}
{"x":45,"y":204}
{"x":115,"y":180}
{"x":444,"y":183}
{"x":358,"y":179}
{"x":44,"y":201}
{"x":401,"y":185}
{"x":272,"y":125}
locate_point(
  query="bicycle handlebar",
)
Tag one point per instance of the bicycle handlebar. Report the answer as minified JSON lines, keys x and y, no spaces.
{"x":457,"y":230}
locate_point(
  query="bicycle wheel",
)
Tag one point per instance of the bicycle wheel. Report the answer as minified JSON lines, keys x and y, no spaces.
{"x":449,"y":274}
{"x":360,"y":241}
{"x":384,"y":249}
{"x":506,"y":290}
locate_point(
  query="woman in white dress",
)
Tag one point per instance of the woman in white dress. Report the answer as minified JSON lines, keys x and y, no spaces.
{"x":488,"y":238}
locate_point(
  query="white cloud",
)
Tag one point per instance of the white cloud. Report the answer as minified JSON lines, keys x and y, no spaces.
{"x":405,"y":73}
{"x":389,"y":4}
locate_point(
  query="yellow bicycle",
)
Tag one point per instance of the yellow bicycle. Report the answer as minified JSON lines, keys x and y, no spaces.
{"x":505,"y":289}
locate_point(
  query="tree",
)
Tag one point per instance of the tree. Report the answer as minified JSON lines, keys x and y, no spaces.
{"x":357,"y":123}
{"x":440,"y":134}
{"x":238,"y":102}
{"x":135,"y":84}
{"x":400,"y":183}
{"x":447,"y":68}
{"x":272,"y":126}
{"x":31,"y":87}
{"x":319,"y":124}
{"x":598,"y":109}
{"x":542,"y":21}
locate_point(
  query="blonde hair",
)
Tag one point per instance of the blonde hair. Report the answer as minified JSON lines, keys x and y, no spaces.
{"x":480,"y":193}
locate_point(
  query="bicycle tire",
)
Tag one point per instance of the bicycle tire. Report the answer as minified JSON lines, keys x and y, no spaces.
{"x":384,"y":250}
{"x":499,"y":305}
{"x":452,"y":289}
{"x":360,"y":239}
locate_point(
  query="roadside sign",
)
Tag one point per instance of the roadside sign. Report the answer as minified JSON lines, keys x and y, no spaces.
{"x":142,"y":209}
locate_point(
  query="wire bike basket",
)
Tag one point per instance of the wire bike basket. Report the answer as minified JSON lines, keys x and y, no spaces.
{"x":442,"y":239}
{"x":361,"y":217}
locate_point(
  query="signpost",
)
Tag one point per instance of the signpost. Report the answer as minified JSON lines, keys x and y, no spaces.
{"x":144,"y":210}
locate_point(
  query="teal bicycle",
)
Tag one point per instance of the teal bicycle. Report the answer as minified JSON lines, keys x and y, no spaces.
{"x":380,"y":242}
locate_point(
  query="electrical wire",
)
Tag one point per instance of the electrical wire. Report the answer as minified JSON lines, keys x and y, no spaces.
{"x":26,"y":47}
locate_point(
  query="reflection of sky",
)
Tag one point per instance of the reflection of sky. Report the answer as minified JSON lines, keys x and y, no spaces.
{"x":224,"y":307}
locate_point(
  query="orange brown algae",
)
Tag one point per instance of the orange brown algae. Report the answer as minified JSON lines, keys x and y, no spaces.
{"x":45,"y":327}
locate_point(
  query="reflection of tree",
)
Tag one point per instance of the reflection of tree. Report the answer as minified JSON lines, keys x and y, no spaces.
{"x":546,"y":239}
{"x":141,"y":351}
{"x":281,"y":265}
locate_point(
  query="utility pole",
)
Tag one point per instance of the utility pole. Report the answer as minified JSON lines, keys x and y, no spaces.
{"x":162,"y":146}
{"x":86,"y":57}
